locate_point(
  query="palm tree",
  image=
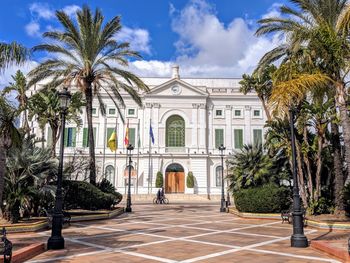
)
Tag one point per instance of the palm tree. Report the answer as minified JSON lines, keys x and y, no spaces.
{"x":260,"y":82}
{"x":9,"y":136}
{"x":88,"y":56}
{"x":20,"y":87}
{"x":323,"y":27}
{"x":45,"y":107}
{"x":12,"y":53}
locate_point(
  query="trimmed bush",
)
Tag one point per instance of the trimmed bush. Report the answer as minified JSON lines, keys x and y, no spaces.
{"x":347,"y":199}
{"x":83,"y":195}
{"x":159,"y":180}
{"x":268,"y":198}
{"x":190,"y":180}
{"x":107,"y":187}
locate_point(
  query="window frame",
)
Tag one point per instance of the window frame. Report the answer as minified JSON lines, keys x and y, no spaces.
{"x":253,"y":112}
{"x":223,"y":137}
{"x":131,"y":115}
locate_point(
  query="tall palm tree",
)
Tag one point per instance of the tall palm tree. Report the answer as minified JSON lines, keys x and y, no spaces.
{"x":323,"y":27}
{"x":9,"y":136}
{"x":45,"y":107}
{"x":89,"y":57}
{"x":20,"y":87}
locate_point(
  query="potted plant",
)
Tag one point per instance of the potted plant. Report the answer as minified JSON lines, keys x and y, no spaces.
{"x":159,"y":180}
{"x":190,"y":183}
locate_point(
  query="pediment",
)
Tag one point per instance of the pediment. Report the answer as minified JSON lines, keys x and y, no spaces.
{"x":176,"y":87}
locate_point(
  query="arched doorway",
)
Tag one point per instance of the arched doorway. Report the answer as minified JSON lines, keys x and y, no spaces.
{"x":175,"y":178}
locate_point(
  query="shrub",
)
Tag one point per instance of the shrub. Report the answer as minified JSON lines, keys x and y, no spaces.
{"x":107,"y":187}
{"x":269,"y":198}
{"x":80,"y":194}
{"x":159,"y":180}
{"x":190,"y":180}
{"x":347,"y":198}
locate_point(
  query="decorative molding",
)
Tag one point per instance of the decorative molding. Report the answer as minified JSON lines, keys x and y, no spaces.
{"x":247,"y":107}
{"x":195,"y":105}
{"x":228,"y":107}
{"x":148,"y":105}
{"x":156,"y":105}
{"x":202,"y":106}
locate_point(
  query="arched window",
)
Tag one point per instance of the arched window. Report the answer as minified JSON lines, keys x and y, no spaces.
{"x":132,"y":175}
{"x":218,"y":175}
{"x":175,"y":131}
{"x":109,"y":172}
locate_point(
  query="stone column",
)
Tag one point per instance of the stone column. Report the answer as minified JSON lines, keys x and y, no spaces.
{"x":247,"y":124}
{"x":194,"y":122}
{"x":202,"y":127}
{"x":228,"y":121}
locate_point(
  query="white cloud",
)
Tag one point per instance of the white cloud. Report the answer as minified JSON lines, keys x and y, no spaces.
{"x":207,"y":47}
{"x":41,"y":10}
{"x":138,"y":38}
{"x":70,"y":10}
{"x":273,"y":11}
{"x":33,"y":29}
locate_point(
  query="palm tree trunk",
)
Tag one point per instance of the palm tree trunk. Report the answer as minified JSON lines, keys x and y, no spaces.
{"x":25,"y":122}
{"x":88,"y":96}
{"x":2,"y":169}
{"x":54,"y":139}
{"x":345,"y":123}
{"x":318,"y":166}
{"x":303,"y":193}
{"x":338,"y":171}
{"x":308,"y":166}
{"x":266,"y":109}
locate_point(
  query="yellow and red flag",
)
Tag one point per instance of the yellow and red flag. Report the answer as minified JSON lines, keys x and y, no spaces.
{"x":126,"y":138}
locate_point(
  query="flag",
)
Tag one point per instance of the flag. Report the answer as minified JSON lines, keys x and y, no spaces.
{"x":112,"y":141}
{"x":138,"y":135}
{"x":151,"y":133}
{"x":126,"y":138}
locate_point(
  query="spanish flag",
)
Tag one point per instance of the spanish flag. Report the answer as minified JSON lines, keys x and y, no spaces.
{"x":126,"y":138}
{"x":112,"y":142}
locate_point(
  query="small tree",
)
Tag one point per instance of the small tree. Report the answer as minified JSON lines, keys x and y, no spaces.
{"x":190,"y":180}
{"x":159,"y":180}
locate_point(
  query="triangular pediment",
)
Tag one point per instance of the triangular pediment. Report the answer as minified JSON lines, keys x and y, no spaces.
{"x":176,"y":87}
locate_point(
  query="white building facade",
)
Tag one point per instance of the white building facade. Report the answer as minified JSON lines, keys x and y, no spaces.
{"x":190,"y":118}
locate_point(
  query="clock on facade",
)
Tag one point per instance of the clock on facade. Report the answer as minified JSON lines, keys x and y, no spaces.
{"x":176,"y":89}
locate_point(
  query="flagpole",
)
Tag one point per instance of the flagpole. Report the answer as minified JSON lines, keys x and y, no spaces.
{"x":126,"y":143}
{"x":138,"y":156}
{"x":104,"y":149}
{"x":149,"y":159}
{"x":115,"y":154}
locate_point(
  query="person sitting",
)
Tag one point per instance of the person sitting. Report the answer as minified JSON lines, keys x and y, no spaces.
{"x":162,"y":195}
{"x":159,"y":196}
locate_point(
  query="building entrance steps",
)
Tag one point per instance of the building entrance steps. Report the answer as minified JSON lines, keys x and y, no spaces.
{"x":174,"y":198}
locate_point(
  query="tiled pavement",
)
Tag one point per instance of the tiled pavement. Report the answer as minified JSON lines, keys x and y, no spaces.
{"x":180,"y":233}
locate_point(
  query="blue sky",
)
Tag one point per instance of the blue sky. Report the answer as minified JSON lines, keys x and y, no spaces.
{"x":205,"y":37}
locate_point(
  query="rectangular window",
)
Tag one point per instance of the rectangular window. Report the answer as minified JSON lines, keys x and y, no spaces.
{"x":219,"y":137}
{"x":257,"y":136}
{"x":111,"y":111}
{"x":131,"y":112}
{"x":69,"y":137}
{"x":218,"y":113}
{"x":238,"y":136}
{"x":256,"y":113}
{"x":94,"y":111}
{"x":237,"y":113}
{"x":86,"y":137}
{"x":132,"y":136}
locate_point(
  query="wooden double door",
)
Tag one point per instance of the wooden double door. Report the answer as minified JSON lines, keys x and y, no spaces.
{"x":175,"y":182}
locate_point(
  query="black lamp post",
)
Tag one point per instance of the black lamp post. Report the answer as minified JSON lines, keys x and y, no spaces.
{"x":227,"y":190}
{"x":298,"y":238}
{"x":56,"y":241}
{"x":222,"y":149}
{"x":130,"y":148}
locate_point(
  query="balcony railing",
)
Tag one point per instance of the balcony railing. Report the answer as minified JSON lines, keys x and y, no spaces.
{"x":176,"y":149}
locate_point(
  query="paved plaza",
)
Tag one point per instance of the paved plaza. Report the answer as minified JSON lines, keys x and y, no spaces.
{"x":180,"y":233}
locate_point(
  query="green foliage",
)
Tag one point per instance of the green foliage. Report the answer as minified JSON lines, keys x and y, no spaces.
{"x":159,"y":180}
{"x":190,"y":180}
{"x":322,"y":206}
{"x":268,"y":198}
{"x":28,"y":170}
{"x":249,"y":167}
{"x":347,"y":199}
{"x":107,"y":187}
{"x":83,"y":195}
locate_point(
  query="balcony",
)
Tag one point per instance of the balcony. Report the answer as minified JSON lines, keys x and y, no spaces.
{"x":176,"y":149}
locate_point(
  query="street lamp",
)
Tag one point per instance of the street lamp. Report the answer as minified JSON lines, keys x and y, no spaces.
{"x":130,"y":148}
{"x":222,"y":149}
{"x":298,"y":239}
{"x":56,"y":241}
{"x":227,"y":190}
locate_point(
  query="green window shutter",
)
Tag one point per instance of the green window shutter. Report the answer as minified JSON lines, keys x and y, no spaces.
{"x":85,"y":137}
{"x":257,"y":136}
{"x":132,"y":136}
{"x":49,"y":136}
{"x":74,"y":133}
{"x":65,"y":137}
{"x":219,"y":137}
{"x":238,"y":136}
{"x":109,"y":133}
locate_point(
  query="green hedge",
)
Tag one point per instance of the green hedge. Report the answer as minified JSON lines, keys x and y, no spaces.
{"x":269,"y":198}
{"x":107,"y":187}
{"x":83,"y":195}
{"x":159,"y":180}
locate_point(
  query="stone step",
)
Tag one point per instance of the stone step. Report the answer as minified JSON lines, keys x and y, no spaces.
{"x":175,"y":197}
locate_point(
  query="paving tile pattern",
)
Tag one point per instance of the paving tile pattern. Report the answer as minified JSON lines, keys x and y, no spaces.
{"x":180,"y":233}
